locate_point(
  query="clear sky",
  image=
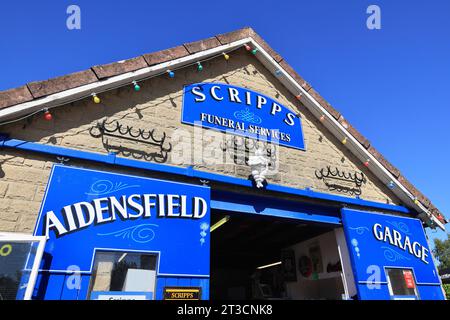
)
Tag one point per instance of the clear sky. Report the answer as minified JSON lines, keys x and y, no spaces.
{"x":392,"y":84}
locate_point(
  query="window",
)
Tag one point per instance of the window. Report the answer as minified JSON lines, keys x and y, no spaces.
{"x":20,"y":257}
{"x":119,"y":275}
{"x":401,"y":283}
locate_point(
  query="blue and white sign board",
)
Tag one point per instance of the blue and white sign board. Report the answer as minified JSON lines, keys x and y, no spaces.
{"x":379,"y":241}
{"x":242,"y":112}
{"x":121,"y":295}
{"x":85,"y":210}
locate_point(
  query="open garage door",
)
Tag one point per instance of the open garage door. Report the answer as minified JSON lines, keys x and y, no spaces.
{"x":267,"y":257}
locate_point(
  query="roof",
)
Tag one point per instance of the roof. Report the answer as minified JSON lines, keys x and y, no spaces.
{"x":38,"y":90}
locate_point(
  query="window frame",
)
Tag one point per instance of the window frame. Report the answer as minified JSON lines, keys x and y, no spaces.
{"x":27,"y":238}
{"x":391,"y":291}
{"x":157,"y":254}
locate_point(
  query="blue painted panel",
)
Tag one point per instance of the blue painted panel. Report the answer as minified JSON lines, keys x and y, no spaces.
{"x":383,"y":241}
{"x":49,"y":286}
{"x":266,"y":206}
{"x":184,"y":282}
{"x":160,"y":284}
{"x":380,"y":292}
{"x":182,"y":245}
{"x":83,"y":292}
{"x":431,"y":292}
{"x":241,"y":111}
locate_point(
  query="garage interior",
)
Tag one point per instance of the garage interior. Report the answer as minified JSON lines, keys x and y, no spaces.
{"x":243,"y":243}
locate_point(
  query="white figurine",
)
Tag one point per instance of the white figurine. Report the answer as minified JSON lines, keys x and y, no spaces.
{"x":260,"y":166}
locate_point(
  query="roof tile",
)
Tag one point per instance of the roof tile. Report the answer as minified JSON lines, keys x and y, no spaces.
{"x":336,"y":114}
{"x":416,"y":193}
{"x":165,"y":55}
{"x":393,"y":170}
{"x":197,"y":46}
{"x":355,"y":133}
{"x":43,"y":88}
{"x":305,"y":85}
{"x":236,"y":35}
{"x":14,"y":96}
{"x":120,"y":67}
{"x":265,"y":46}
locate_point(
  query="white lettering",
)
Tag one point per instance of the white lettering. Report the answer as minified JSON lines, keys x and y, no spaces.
{"x":201,"y":96}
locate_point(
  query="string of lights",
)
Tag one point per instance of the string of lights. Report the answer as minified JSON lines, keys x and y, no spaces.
{"x":95,"y":95}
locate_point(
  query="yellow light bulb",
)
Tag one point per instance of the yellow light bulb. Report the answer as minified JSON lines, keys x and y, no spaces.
{"x":96,"y":99}
{"x":344,"y":141}
{"x":226,"y":56}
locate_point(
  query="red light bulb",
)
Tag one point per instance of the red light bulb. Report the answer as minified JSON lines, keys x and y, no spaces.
{"x":48,"y":116}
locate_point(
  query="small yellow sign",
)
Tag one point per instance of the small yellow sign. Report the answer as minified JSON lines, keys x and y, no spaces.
{"x":182,"y":293}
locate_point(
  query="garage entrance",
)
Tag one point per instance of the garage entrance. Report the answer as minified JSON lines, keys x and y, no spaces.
{"x":266,"y":257}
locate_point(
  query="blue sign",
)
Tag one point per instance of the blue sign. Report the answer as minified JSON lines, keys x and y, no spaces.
{"x":243,"y":112}
{"x":121,"y":295}
{"x":85,"y":210}
{"x":379,"y":241}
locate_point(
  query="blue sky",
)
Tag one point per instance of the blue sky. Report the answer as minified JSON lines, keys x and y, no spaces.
{"x":392,"y":84}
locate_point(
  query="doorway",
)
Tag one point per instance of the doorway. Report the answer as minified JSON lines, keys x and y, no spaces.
{"x":266,"y":257}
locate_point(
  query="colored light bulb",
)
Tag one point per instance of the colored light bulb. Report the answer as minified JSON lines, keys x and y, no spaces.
{"x":391,"y":185}
{"x":171,"y":73}
{"x":366,"y":163}
{"x":47,"y":115}
{"x":298,"y":96}
{"x":199,"y":66}
{"x":278,"y":72}
{"x":136,"y":86}
{"x":247,"y":47}
{"x":227,"y":57}
{"x":344,"y":141}
{"x":322,"y":118}
{"x":254,"y":51}
{"x":95,"y":98}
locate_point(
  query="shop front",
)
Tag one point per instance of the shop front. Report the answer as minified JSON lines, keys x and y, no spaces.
{"x":218,"y":174}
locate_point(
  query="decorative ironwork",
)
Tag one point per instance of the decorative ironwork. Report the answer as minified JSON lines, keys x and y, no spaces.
{"x":116,"y":130}
{"x":340,"y":181}
{"x":240,"y":148}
